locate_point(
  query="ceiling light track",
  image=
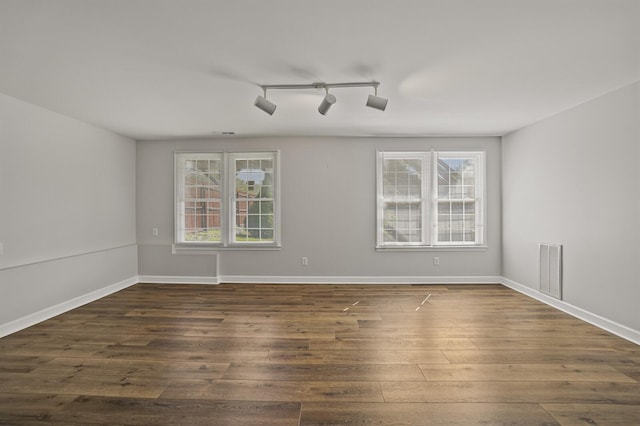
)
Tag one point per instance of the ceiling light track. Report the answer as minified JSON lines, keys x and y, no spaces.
{"x":320,"y":85}
{"x":373,"y":101}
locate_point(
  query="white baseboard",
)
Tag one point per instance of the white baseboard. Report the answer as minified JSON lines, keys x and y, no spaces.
{"x":164,"y":279}
{"x":50,"y":312}
{"x":290,"y":279}
{"x":600,"y":322}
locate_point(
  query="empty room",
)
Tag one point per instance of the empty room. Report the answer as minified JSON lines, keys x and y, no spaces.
{"x":299,"y":213}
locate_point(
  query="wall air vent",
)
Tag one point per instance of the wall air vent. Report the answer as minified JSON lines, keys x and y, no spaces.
{"x":551,"y":270}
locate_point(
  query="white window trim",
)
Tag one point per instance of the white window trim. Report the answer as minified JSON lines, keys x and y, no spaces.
{"x":429,"y":227}
{"x":227,"y":201}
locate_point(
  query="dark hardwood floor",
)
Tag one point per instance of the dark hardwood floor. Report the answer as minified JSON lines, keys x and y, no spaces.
{"x":317,"y":354}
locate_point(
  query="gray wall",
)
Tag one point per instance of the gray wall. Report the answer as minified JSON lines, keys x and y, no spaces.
{"x":67,"y":212}
{"x":573,"y":179}
{"x":328,"y":210}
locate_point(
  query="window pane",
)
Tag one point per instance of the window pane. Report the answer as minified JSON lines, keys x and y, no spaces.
{"x":402,"y":222}
{"x":402,"y":178}
{"x":468,"y":191}
{"x":202,"y":166}
{"x":470,"y":207}
{"x":469,"y":177}
{"x":444,"y":208}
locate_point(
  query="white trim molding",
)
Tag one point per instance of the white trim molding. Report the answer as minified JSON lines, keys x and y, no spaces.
{"x":52,"y":311}
{"x":306,"y":279}
{"x":596,"y":320}
{"x":164,"y":279}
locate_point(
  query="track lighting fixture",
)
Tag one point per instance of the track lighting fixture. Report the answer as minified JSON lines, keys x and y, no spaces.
{"x":374,"y":101}
{"x":327,"y":102}
{"x":265,"y":105}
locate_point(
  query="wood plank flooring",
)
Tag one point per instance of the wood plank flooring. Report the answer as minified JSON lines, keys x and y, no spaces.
{"x":317,"y":355}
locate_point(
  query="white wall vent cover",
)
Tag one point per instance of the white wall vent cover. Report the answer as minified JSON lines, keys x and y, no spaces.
{"x":551,"y":270}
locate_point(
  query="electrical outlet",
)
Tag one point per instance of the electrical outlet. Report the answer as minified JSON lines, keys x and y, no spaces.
{"x":155,"y":232}
{"x":305,"y":261}
{"x":436,"y":260}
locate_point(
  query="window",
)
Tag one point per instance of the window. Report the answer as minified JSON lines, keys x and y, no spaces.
{"x":253,"y":198}
{"x":430,"y":199}
{"x":227,"y":198}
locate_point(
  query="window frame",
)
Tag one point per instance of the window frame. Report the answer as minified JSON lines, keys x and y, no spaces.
{"x":478,"y":198}
{"x":227,"y":200}
{"x":424,"y":158}
{"x":429,"y":159}
{"x":232,"y":200}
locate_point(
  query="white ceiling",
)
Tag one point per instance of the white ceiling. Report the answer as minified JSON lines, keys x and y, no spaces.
{"x":153,"y":69}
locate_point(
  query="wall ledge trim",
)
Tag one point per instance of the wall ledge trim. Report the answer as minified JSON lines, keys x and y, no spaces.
{"x":68,"y":256}
{"x":52,"y":311}
{"x":593,"y":319}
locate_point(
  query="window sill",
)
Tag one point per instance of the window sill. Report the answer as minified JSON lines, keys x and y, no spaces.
{"x":209,"y":248}
{"x":433,"y":248}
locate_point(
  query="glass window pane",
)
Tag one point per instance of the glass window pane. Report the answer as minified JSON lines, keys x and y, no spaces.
{"x":469,"y":177}
{"x":388,"y":190}
{"x":202,"y":166}
{"x":402,"y":222}
{"x":267,"y":165}
{"x":390,"y":165}
{"x":469,"y":191}
{"x":402,"y":178}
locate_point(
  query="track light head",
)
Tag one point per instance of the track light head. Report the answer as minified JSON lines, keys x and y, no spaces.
{"x":265,"y":105}
{"x":377,"y":102}
{"x":327,"y":102}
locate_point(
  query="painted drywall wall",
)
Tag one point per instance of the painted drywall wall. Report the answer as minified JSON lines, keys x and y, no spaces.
{"x":328,"y":209}
{"x":161,"y":261}
{"x":67,"y":209}
{"x":573,"y":179}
